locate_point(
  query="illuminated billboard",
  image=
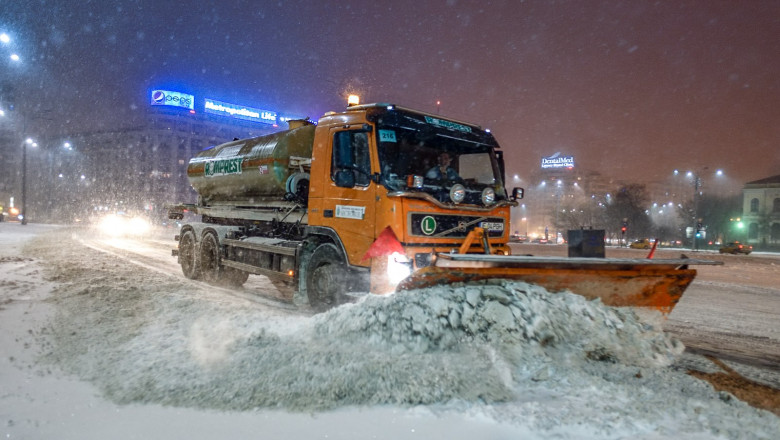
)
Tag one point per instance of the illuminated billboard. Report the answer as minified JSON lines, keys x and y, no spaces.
{"x":175,"y":99}
{"x":239,"y":111}
{"x":558,"y":161}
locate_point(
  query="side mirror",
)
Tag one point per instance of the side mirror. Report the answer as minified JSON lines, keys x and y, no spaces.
{"x":345,"y":178}
{"x":517,"y":193}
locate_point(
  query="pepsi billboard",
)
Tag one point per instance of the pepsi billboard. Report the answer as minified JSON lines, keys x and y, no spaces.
{"x":239,"y":111}
{"x":175,"y":99}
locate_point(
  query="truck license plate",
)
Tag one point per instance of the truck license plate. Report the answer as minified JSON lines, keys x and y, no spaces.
{"x":492,"y":226}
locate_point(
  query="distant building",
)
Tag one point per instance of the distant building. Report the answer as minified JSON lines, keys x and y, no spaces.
{"x":138,"y":167}
{"x":761,"y":211}
{"x":552,"y":190}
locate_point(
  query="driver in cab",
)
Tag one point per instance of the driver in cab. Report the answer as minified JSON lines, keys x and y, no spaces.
{"x":443,"y":171}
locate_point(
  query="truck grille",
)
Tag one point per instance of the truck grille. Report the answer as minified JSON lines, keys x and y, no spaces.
{"x":429,"y":225}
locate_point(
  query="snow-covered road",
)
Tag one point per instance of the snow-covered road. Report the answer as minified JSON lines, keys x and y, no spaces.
{"x":730,"y":311}
{"x":447,"y":363}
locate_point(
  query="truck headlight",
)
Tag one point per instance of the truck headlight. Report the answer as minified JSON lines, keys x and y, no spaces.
{"x":457,"y":193}
{"x":488,"y":196}
{"x":399,"y":267}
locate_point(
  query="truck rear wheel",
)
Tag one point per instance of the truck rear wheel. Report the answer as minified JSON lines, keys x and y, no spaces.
{"x":211,"y":266}
{"x":188,"y":255}
{"x":210,"y":258}
{"x":326,"y":277}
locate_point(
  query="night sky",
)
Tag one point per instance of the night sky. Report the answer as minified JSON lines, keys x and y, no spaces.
{"x":633,"y":89}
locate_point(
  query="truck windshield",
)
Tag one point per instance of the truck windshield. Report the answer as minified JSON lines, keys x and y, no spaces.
{"x":442,"y":155}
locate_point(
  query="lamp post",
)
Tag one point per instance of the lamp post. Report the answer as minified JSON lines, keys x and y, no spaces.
{"x":698,"y":225}
{"x":31,"y":143}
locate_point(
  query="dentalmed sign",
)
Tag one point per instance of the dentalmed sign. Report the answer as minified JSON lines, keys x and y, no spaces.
{"x":239,"y":111}
{"x":175,"y":99}
{"x":558,"y":161}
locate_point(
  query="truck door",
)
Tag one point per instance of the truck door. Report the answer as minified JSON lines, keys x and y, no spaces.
{"x":350,"y":202}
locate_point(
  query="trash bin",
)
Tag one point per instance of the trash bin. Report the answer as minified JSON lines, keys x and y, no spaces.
{"x":586,"y":243}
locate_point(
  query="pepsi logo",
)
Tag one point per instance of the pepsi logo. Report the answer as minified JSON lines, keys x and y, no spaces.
{"x":158,"y":97}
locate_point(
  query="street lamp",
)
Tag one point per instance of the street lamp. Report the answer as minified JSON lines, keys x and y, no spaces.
{"x":697,"y":183}
{"x":696,"y":222}
{"x":5,"y":39}
{"x":31,"y":143}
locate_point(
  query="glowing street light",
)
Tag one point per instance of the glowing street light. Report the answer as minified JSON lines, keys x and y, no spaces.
{"x":5,"y":39}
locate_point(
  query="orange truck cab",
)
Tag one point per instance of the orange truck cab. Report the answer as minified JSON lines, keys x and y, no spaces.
{"x":370,"y":194}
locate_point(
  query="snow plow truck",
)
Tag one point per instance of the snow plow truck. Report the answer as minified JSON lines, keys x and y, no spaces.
{"x":353,"y":203}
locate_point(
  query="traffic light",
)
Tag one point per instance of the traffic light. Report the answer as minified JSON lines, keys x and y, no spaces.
{"x":623,"y":229}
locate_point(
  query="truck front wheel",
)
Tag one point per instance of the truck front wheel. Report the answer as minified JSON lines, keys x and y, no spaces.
{"x":326,"y":277}
{"x":188,"y":255}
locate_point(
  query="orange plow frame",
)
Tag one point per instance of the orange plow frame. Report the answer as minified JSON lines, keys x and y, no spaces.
{"x":617,"y":282}
{"x":656,"y":284}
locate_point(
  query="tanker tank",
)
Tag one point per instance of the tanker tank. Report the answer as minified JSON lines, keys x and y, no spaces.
{"x":251,"y":170}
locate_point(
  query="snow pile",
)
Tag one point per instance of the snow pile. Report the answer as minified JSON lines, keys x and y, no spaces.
{"x":515,"y":318}
{"x":471,"y":342}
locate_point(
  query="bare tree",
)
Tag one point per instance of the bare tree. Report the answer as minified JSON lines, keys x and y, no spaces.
{"x":629,"y":205}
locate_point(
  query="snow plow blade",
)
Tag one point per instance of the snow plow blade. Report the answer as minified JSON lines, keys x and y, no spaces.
{"x":617,"y":282}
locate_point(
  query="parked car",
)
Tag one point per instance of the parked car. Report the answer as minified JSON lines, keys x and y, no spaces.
{"x":641,"y":244}
{"x":736,"y":247}
{"x":515,"y":238}
{"x":539,"y":241}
